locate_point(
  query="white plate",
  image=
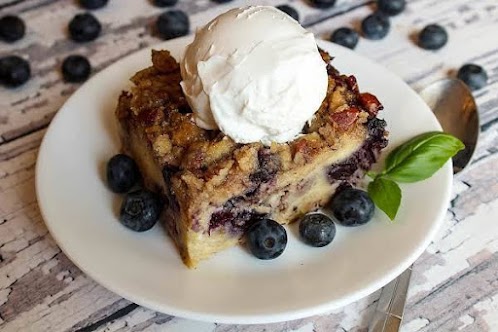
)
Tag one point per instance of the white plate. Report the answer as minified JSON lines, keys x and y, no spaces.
{"x":232,"y":287}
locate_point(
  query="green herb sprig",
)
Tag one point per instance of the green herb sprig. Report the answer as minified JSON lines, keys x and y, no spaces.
{"x":413,"y":161}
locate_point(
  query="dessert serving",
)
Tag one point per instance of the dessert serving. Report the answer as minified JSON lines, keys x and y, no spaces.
{"x":254,"y":124}
{"x":221,"y":186}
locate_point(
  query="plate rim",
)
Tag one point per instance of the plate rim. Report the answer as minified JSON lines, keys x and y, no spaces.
{"x":240,"y":318}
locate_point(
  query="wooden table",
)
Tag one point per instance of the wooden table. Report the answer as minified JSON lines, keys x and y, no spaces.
{"x":455,"y":282}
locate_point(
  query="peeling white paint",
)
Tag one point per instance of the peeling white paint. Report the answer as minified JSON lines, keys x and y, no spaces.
{"x":305,"y":328}
{"x":4,"y":295}
{"x":47,"y":267}
{"x":466,"y":321}
{"x":490,"y":311}
{"x":415,"y":325}
{"x":465,"y":241}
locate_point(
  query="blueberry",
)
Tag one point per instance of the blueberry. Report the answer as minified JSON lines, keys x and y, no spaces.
{"x":12,"y":28}
{"x":93,"y":4}
{"x":289,"y":11}
{"x":122,"y":173}
{"x":164,"y":3}
{"x":391,"y":7}
{"x":266,"y":239}
{"x":140,"y":210}
{"x":352,"y":207}
{"x":433,"y":37}
{"x":76,"y":68}
{"x":317,"y":229}
{"x":173,"y":24}
{"x":346,"y":37}
{"x":323,"y":4}
{"x":221,"y":1}
{"x":473,"y":75}
{"x":84,"y":28}
{"x":14,"y":71}
{"x":376,"y":26}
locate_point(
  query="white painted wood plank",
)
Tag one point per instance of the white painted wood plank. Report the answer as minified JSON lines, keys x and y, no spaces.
{"x":40,"y":290}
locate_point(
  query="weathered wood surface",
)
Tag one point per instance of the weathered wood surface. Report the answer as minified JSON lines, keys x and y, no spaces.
{"x":454,"y":285}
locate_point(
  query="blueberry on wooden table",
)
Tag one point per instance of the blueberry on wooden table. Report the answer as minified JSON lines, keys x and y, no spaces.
{"x":12,"y":28}
{"x":289,"y":11}
{"x":76,"y":68}
{"x":391,"y":7}
{"x":93,"y":4}
{"x":172,"y":24}
{"x":376,"y":26}
{"x":140,"y":210}
{"x":164,"y":3}
{"x":473,"y":75}
{"x":266,"y":239}
{"x":352,"y":207}
{"x":122,"y":173}
{"x":14,"y":71}
{"x":346,"y":37}
{"x":322,"y":4}
{"x":84,"y":28}
{"x":433,"y":37}
{"x":316,"y":229}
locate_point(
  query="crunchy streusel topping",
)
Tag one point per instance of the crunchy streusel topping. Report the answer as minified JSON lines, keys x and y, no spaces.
{"x":157,"y":103}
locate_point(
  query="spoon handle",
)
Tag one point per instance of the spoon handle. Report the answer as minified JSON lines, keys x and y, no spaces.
{"x":389,"y":312}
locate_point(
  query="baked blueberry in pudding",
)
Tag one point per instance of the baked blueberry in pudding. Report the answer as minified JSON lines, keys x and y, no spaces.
{"x":214,"y":186}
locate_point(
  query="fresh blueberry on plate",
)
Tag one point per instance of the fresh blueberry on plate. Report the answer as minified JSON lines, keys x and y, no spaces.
{"x":164,"y":3}
{"x":433,"y":37}
{"x":76,"y":68}
{"x":376,"y":26}
{"x":473,"y":75}
{"x":12,"y":28}
{"x":84,"y":28}
{"x":172,"y":24}
{"x":140,"y":210}
{"x":346,"y":37}
{"x":316,"y":229}
{"x":14,"y":71}
{"x":289,"y":11}
{"x":352,"y":207}
{"x":323,"y":4}
{"x":122,"y":173}
{"x":391,"y":7}
{"x":93,"y":4}
{"x":266,"y":239}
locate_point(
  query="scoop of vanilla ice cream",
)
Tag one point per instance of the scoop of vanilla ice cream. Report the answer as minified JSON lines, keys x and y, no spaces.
{"x":255,"y":74}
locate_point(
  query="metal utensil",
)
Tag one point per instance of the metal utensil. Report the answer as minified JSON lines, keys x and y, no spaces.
{"x":455,"y":108}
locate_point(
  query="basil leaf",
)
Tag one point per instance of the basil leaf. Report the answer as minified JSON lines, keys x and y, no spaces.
{"x":420,"y":157}
{"x":386,"y":194}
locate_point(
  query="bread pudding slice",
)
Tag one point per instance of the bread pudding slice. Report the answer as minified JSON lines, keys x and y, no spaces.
{"x":214,"y":188}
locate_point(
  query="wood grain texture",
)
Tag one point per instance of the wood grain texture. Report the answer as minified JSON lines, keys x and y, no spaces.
{"x":454,"y":285}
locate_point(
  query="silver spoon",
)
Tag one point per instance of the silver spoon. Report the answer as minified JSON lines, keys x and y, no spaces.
{"x":455,"y":108}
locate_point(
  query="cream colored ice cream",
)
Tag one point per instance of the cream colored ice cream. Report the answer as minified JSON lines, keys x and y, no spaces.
{"x":255,"y":74}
